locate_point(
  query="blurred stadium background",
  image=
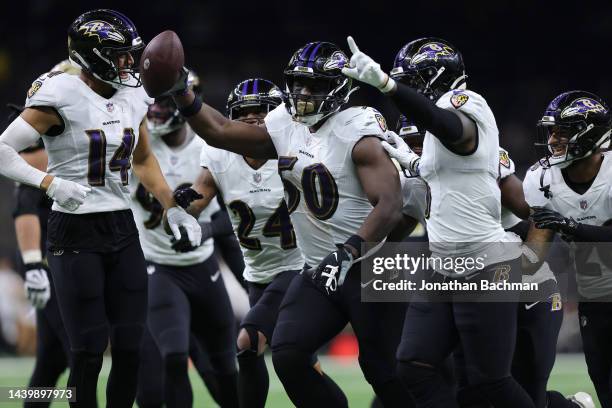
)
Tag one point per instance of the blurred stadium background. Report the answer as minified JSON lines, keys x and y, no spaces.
{"x":519,"y":55}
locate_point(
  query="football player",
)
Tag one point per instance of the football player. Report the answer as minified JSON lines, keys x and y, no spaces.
{"x":93,"y":130}
{"x":540,"y":316}
{"x":32,"y":208}
{"x":254,"y":194}
{"x":569,"y":191}
{"x":415,"y":193}
{"x":344,"y":191}
{"x":186,"y":291}
{"x":460,"y":165}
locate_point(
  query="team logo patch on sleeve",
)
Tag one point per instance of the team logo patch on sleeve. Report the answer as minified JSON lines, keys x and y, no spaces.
{"x":458,"y":99}
{"x":504,"y":159}
{"x":34,"y":88}
{"x":381,"y":121}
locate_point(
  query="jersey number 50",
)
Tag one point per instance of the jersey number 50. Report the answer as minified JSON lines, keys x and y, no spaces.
{"x":322,"y":203}
{"x":96,"y":168}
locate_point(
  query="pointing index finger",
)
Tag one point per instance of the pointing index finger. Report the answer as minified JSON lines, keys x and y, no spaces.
{"x":352,"y":45}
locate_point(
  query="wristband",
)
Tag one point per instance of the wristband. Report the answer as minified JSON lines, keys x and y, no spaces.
{"x":192,"y":109}
{"x":31,"y":256}
{"x":389,"y":85}
{"x":355,"y":241}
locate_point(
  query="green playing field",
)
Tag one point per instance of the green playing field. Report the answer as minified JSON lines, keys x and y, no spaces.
{"x":569,"y":376}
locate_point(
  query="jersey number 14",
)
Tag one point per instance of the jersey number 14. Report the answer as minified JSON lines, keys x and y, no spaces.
{"x":96,"y":168}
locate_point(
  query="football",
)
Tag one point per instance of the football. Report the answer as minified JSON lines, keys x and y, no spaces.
{"x":161,"y":62}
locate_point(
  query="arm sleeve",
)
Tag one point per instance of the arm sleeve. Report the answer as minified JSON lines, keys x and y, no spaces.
{"x":18,"y":136}
{"x":27,"y":200}
{"x":442,"y":123}
{"x":221,"y":224}
{"x":593,"y":233}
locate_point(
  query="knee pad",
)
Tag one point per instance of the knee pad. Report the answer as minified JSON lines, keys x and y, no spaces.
{"x":253,"y":340}
{"x":411,"y":372}
{"x":176,"y":364}
{"x":87,"y":363}
{"x":92,"y":340}
{"x":127,"y":336}
{"x":287,"y":361}
{"x":377,"y":371}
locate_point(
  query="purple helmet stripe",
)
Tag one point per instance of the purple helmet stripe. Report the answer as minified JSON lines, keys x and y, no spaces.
{"x":305,"y":51}
{"x":255,"y":83}
{"x":313,"y":54}
{"x":245,"y":88}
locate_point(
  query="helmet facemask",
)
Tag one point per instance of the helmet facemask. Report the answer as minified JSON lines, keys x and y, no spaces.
{"x":327,"y":97}
{"x":413,"y":137}
{"x":429,"y":81}
{"x":579,"y":139}
{"x":163,"y":117}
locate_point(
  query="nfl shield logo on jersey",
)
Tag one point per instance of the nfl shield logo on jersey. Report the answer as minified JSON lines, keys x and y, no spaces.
{"x":583,"y":204}
{"x":110,"y":107}
{"x":257,"y":177}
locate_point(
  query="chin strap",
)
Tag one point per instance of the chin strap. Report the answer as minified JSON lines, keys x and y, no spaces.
{"x":545,"y":188}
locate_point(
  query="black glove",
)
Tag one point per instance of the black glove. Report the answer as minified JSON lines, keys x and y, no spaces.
{"x":545,"y":218}
{"x":180,"y":86}
{"x":183,"y":244}
{"x":186,"y":196}
{"x":332,"y":270}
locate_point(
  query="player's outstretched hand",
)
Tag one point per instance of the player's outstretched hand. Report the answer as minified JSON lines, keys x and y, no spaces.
{"x":332,"y":270}
{"x":545,"y":218}
{"x":402,"y":153}
{"x":179,"y":87}
{"x":365,"y":69}
{"x":178,"y":217}
{"x":37,"y":287}
{"x":186,"y":196}
{"x":67,"y":194}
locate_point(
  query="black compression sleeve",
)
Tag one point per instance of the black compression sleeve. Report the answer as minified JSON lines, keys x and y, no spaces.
{"x":442,"y":123}
{"x":593,"y":233}
{"x":221,"y":224}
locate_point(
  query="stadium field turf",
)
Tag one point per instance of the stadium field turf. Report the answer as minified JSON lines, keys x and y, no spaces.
{"x":568,"y":377}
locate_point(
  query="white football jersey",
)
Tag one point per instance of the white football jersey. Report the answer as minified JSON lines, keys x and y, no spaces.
{"x":180,"y":166}
{"x":256,"y":204}
{"x":465,"y":210}
{"x":321,"y":176}
{"x":99,"y":137}
{"x":506,"y":168}
{"x":594,"y":207}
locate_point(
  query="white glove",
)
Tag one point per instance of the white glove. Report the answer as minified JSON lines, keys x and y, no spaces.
{"x":402,"y":153}
{"x":365,"y":69}
{"x":37,"y":288}
{"x":177,"y":217}
{"x":67,"y":194}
